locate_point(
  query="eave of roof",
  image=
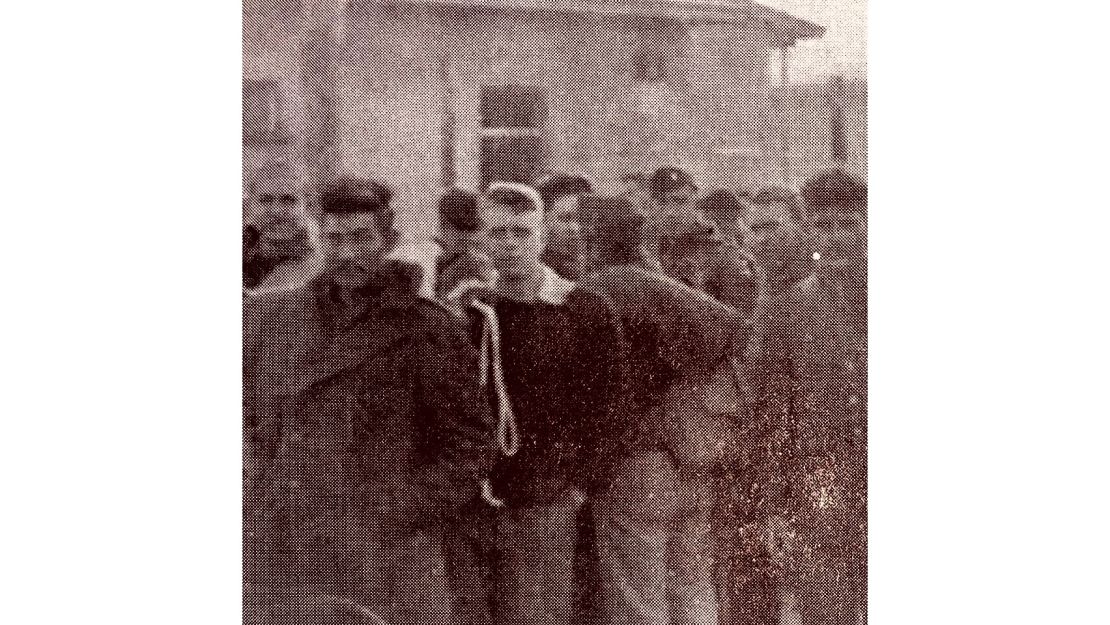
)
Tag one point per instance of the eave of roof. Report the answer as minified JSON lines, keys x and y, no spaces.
{"x":785,"y":28}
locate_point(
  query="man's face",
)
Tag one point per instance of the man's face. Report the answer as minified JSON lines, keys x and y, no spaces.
{"x":841,"y":239}
{"x":513,"y":241}
{"x":675,"y":210}
{"x":455,"y":241}
{"x":564,"y":226}
{"x":762,"y":222}
{"x":353,"y":247}
{"x":727,"y":221}
{"x":277,"y":209}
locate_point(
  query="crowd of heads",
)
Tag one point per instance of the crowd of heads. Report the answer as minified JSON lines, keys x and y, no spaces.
{"x":561,"y":220}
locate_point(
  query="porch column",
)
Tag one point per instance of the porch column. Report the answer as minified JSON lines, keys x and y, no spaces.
{"x":785,"y":112}
{"x":321,"y":56}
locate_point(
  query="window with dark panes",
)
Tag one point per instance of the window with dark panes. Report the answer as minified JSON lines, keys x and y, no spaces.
{"x":513,"y":146}
{"x":650,"y":63}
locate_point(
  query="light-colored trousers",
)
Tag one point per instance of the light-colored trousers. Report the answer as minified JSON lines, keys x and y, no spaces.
{"x":656,"y":544}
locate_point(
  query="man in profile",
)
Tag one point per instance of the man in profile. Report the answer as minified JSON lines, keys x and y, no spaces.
{"x":813,"y":392}
{"x":566,"y":248}
{"x":462,"y":267}
{"x":675,"y":221}
{"x":364,"y":415}
{"x":654,"y":500}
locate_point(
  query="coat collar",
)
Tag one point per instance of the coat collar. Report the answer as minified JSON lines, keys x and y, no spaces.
{"x":384,"y":323}
{"x":553,"y":290}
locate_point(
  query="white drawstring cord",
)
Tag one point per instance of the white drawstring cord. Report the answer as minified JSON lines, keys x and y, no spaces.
{"x":508,"y":437}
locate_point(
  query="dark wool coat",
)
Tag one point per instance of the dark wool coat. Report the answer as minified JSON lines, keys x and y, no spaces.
{"x":673,"y":332}
{"x":814,"y":391}
{"x":360,"y":430}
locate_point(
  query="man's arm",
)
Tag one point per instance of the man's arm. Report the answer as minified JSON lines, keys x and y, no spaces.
{"x":732,"y":282}
{"x":454,"y":409}
{"x":604,"y":432}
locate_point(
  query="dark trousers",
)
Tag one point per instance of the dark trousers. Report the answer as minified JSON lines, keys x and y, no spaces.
{"x":534,"y":581}
{"x":354,"y":564}
{"x":748,"y":580}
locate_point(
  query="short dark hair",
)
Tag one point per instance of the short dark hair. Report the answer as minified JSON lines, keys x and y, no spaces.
{"x":720,"y":201}
{"x":347,"y":196}
{"x":669,"y":178}
{"x":562,"y":185}
{"x":459,"y":209}
{"x":835,"y":189}
{"x":618,"y":228}
{"x":775,"y":193}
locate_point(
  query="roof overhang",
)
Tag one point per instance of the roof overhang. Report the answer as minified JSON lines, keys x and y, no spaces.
{"x":785,"y":29}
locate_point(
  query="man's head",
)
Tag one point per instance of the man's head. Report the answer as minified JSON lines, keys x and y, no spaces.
{"x":687,"y":257}
{"x":561,"y":194}
{"x":458,"y":221}
{"x":672,"y":193}
{"x":618,"y":230}
{"x":724,"y":210}
{"x":512,"y":232}
{"x":773,"y":209}
{"x":277,"y":205}
{"x":836,"y":206}
{"x":356,"y":225}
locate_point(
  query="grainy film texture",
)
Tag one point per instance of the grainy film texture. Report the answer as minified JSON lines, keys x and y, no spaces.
{"x":554,"y":312}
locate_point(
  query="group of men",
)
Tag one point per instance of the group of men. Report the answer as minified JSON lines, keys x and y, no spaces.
{"x":647,"y":408}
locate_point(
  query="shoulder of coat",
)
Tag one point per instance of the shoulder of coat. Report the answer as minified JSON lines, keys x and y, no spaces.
{"x":436,"y":322}
{"x":271,"y":303}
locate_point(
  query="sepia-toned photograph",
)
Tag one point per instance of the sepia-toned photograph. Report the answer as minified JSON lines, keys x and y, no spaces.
{"x":568,"y":312}
{"x":554,"y":313}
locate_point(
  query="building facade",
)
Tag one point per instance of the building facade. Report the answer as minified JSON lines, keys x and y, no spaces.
{"x":438,"y":92}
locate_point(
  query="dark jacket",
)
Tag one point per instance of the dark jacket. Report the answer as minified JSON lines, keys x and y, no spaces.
{"x":564,"y":367}
{"x":377,"y":417}
{"x":674,"y":332}
{"x":732,"y":279}
{"x":813,"y":390}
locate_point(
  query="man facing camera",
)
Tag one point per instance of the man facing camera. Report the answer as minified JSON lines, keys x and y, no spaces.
{"x":561,"y":362}
{"x":814,"y":392}
{"x":362,"y":406}
{"x":280,"y":238}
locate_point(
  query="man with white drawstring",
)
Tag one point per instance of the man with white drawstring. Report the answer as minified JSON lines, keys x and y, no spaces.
{"x":555,"y":362}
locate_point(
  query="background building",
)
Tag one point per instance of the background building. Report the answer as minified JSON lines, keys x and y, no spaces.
{"x":425,"y":94}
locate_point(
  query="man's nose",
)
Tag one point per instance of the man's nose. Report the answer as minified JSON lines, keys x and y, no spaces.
{"x":346,"y":250}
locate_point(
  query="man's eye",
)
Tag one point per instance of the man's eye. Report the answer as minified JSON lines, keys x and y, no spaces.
{"x":521,"y":233}
{"x":266,"y":199}
{"x":335,"y":239}
{"x":761,"y":228}
{"x":499,"y":233}
{"x":849,"y":224}
{"x":288,"y":200}
{"x":365,"y":235}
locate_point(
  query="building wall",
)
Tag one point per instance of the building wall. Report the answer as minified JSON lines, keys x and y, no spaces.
{"x":810,"y":138}
{"x":271,"y":43}
{"x":408,"y":68}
